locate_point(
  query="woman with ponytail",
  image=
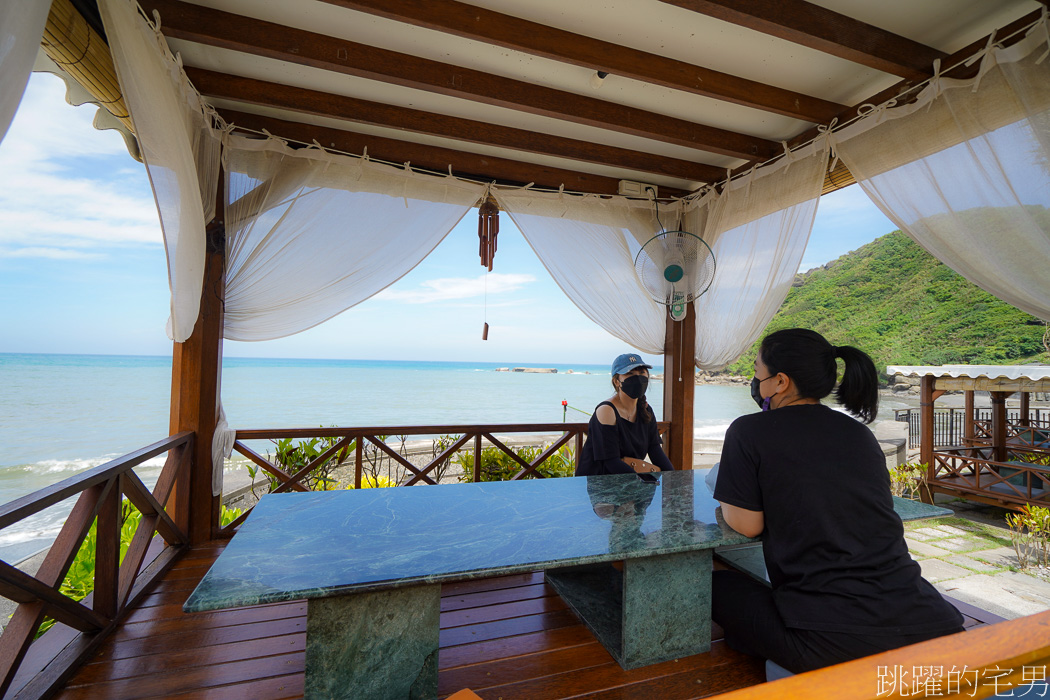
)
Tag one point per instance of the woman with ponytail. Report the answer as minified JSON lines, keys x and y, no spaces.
{"x":622,"y":431}
{"x":812,"y":481}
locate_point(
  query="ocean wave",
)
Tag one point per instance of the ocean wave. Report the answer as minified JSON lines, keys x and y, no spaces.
{"x":715,"y":431}
{"x":56,"y":466}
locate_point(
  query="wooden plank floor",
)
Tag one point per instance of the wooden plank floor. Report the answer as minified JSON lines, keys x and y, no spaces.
{"x":508,"y":637}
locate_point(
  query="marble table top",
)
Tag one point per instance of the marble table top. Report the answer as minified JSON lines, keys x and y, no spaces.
{"x":321,"y":544}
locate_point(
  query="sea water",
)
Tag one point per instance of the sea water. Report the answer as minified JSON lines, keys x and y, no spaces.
{"x":62,"y":414}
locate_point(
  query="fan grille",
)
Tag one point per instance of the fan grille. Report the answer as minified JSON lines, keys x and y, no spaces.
{"x":673,"y":263}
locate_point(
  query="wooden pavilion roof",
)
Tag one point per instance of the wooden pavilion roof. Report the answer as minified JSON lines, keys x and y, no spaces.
{"x":512,"y":91}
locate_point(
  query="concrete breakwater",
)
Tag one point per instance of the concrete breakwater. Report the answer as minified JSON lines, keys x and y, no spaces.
{"x":530,"y":370}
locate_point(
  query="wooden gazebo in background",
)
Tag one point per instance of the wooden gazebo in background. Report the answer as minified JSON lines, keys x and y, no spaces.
{"x":999,"y":461}
{"x":595,"y":97}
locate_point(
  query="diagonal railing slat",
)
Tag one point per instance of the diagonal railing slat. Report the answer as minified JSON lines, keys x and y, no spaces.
{"x":58,"y":606}
{"x":31,"y":668}
{"x":319,"y":460}
{"x":445,"y":454}
{"x":544,"y":456}
{"x":266,"y":465}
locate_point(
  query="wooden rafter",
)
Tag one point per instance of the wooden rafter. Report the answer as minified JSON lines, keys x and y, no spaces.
{"x":259,"y":92}
{"x":822,"y":29}
{"x":462,"y":163}
{"x":537,"y":39}
{"x":223,"y":29}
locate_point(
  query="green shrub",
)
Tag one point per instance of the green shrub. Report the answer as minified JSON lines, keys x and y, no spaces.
{"x":292,"y":455}
{"x":906,"y":480}
{"x":1030,"y":533}
{"x":497,"y":465}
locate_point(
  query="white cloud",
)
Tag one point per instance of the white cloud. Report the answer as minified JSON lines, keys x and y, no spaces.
{"x":51,"y":253}
{"x":449,"y":288}
{"x":64,"y":186}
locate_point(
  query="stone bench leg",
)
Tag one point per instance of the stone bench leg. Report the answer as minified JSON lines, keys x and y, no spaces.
{"x":373,"y":645}
{"x":658,"y":609}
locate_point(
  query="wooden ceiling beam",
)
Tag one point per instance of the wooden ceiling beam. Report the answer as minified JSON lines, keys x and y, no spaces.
{"x":479,"y":24}
{"x":827,"y":31}
{"x":202,"y":25}
{"x":259,"y":92}
{"x":468,"y":165}
{"x":906,"y":90}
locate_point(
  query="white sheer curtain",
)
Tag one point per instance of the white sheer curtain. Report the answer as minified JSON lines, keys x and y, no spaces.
{"x":21,"y":29}
{"x":310,"y":234}
{"x":965,"y":171}
{"x":588,"y":244}
{"x":758,"y":229}
{"x":179,"y":148}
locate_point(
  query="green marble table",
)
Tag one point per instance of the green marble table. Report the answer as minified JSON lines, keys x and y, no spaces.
{"x":370,"y":563}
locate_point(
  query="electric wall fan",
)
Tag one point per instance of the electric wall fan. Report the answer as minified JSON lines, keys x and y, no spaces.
{"x":675,"y":267}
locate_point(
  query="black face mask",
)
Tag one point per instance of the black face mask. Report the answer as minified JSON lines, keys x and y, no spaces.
{"x":756,"y":393}
{"x":635,"y":385}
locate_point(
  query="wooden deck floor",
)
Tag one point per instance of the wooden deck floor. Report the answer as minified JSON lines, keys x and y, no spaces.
{"x":508,"y":637}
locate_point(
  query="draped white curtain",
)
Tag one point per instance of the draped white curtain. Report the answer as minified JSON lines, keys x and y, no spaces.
{"x":179,"y":148}
{"x":758,"y":230}
{"x":588,"y":244}
{"x":310,"y":234}
{"x":965,"y":171}
{"x":21,"y":28}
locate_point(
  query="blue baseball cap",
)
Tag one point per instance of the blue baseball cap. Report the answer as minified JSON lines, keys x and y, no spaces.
{"x":628,"y":361}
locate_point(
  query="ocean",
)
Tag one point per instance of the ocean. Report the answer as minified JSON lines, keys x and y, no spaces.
{"x":61,"y":414}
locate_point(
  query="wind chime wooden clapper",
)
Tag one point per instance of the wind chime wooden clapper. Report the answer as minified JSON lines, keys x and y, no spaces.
{"x":488,"y":230}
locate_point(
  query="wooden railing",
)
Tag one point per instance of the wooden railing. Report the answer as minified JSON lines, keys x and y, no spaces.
{"x":31,"y":668}
{"x":971,"y":469}
{"x":974,"y":664}
{"x":469,"y":437}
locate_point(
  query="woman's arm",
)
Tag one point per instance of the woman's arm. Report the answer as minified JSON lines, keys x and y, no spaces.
{"x":749,"y":523}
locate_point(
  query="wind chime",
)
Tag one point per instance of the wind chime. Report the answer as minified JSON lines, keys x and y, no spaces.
{"x":488,"y":230}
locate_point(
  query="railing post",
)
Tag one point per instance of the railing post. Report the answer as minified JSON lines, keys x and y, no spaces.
{"x":1023,"y":419}
{"x":477,"y":458}
{"x":999,"y":425}
{"x":968,"y":418}
{"x":107,"y":552}
{"x":680,"y":387}
{"x":926,"y":433}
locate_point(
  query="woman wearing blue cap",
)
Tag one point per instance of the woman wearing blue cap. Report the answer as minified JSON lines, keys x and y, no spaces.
{"x":622,"y":432}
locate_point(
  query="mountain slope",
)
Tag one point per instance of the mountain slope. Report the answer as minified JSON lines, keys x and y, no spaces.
{"x":899,"y":304}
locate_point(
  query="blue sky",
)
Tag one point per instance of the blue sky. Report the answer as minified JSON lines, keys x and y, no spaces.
{"x":82,"y":266}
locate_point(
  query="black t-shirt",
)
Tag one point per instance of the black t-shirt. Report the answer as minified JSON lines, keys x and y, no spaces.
{"x":607,"y":445}
{"x":834,"y":547}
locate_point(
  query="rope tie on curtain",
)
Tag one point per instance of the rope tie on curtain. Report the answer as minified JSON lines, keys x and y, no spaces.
{"x":826,"y":131}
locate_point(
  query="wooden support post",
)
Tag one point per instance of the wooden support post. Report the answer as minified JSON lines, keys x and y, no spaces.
{"x":926,"y":401}
{"x":999,"y":425}
{"x":1025,"y":420}
{"x":680,"y":387}
{"x":107,"y":553}
{"x":196,"y":367}
{"x":968,"y":417}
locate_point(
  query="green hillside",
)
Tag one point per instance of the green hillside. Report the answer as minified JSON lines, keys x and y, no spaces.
{"x":900,"y":305}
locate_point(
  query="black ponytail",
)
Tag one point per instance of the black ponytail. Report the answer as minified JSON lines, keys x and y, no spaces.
{"x":809,"y":359}
{"x":859,"y":390}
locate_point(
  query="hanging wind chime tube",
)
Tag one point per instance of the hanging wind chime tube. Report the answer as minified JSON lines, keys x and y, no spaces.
{"x":488,"y":230}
